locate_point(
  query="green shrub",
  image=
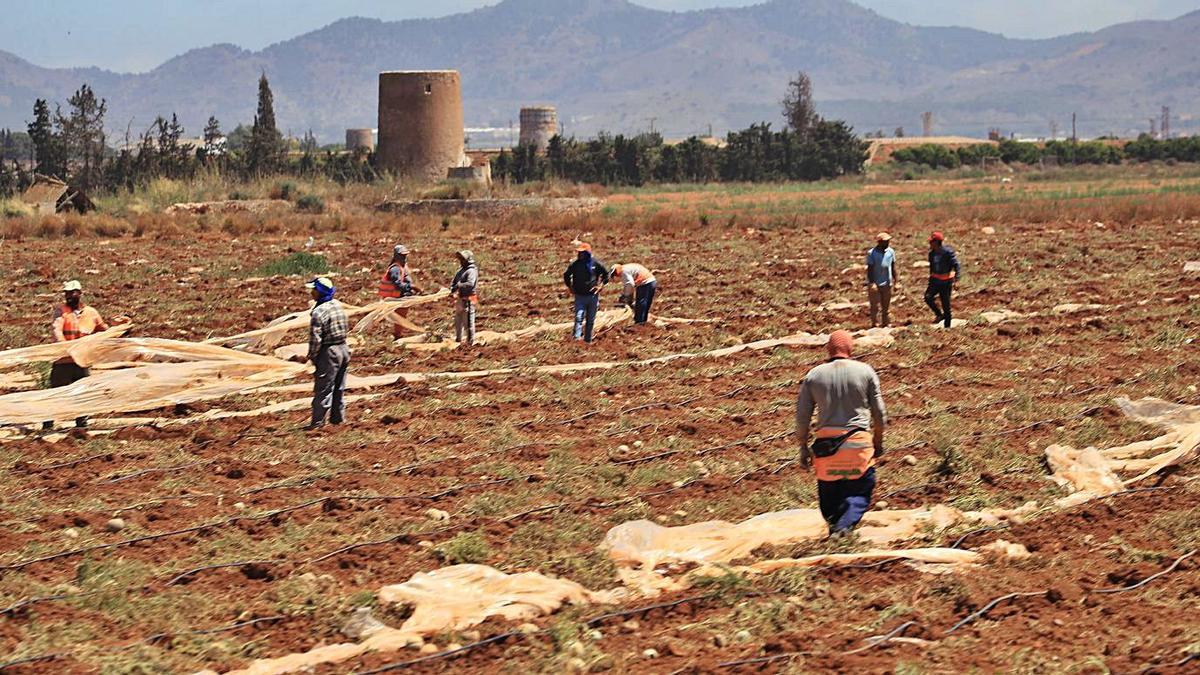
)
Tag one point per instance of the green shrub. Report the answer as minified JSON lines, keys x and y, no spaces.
{"x":464,"y":548}
{"x":310,"y":204}
{"x":10,"y":208}
{"x":300,"y":262}
{"x":285,"y":190}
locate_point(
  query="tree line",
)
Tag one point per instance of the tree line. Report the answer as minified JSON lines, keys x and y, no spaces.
{"x":1145,"y":148}
{"x":72,"y":144}
{"x":808,"y":148}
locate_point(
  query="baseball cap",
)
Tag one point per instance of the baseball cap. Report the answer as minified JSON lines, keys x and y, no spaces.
{"x":937,"y":236}
{"x":883,"y":236}
{"x":617,"y":269}
{"x":583,"y":246}
{"x":72,"y":285}
{"x":400,"y":249}
{"x":323,"y":282}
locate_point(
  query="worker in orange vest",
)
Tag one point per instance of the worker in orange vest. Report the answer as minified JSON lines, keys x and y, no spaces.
{"x":72,"y":320}
{"x":850,"y":421}
{"x":397,"y":283}
{"x":638,"y":287}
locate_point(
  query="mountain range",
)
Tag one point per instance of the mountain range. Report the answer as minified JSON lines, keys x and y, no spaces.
{"x":611,"y":65}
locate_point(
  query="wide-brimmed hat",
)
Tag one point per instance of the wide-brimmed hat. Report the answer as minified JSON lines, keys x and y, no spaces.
{"x":883,"y":236}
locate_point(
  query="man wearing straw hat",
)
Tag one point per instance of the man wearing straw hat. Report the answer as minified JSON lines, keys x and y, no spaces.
{"x":881,"y":278}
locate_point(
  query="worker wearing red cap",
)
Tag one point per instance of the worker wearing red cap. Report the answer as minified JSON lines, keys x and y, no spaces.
{"x":584,"y":278}
{"x":846,"y":396}
{"x":943,"y":273}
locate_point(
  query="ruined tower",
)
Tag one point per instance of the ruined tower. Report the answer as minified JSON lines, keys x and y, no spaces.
{"x":360,"y":138}
{"x":538,"y":125}
{"x":420,"y":123}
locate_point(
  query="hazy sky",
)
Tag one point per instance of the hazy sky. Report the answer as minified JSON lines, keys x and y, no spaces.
{"x":137,"y":35}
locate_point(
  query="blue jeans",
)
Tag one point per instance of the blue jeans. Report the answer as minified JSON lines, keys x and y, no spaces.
{"x":843,"y":502}
{"x":642,"y":300}
{"x":585,"y":315}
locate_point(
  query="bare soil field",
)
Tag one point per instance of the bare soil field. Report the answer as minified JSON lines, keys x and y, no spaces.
{"x":248,"y":538}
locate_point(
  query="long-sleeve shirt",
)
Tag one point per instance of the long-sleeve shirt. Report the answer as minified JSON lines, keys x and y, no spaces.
{"x":328,"y":326}
{"x":942,"y":261}
{"x":844,"y":392}
{"x":581,"y":281}
{"x":634,"y":275}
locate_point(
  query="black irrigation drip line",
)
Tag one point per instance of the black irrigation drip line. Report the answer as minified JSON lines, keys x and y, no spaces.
{"x":992,"y":605}
{"x":34,"y":659}
{"x":151,"y":639}
{"x":1152,"y":577}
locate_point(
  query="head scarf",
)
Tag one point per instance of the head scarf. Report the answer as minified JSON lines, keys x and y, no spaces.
{"x":324,"y":293}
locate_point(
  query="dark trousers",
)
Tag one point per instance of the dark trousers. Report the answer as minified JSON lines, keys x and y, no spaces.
{"x":843,"y":502}
{"x":64,"y":374}
{"x":643,"y":298}
{"x":329,"y":384}
{"x":939,"y":290}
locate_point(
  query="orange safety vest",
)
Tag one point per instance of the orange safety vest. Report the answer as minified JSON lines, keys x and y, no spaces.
{"x":853,"y":458}
{"x":76,"y":326}
{"x":387,"y":289}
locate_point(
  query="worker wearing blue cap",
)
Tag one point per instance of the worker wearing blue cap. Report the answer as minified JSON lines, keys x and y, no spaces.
{"x":327,"y":350}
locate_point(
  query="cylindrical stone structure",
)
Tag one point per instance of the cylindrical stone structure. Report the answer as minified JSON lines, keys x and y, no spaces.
{"x":538,"y":125}
{"x":420,"y":123}
{"x":360,"y":138}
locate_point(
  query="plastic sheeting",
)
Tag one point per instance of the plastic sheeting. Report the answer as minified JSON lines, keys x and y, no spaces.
{"x":153,"y":373}
{"x":460,"y":596}
{"x":639,"y":547}
{"x":54,"y":351}
{"x":269,"y":336}
{"x":450,"y":598}
{"x":1093,"y":472}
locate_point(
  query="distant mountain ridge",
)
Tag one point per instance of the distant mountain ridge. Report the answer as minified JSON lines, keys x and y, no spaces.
{"x":614,"y":65}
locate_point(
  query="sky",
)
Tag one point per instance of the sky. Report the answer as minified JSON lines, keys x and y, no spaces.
{"x":137,"y":35}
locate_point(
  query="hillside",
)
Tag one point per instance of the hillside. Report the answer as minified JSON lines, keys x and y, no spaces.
{"x":613,"y":65}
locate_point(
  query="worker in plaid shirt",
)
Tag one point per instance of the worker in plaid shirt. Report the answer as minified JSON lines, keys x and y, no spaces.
{"x":327,"y":351}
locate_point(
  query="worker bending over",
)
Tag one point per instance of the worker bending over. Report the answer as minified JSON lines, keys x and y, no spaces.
{"x":943,"y":273}
{"x":848,"y":401}
{"x":584,"y":278}
{"x":464,"y":293}
{"x":397,"y":282}
{"x":881,"y":278}
{"x":72,"y":320}
{"x":638,"y":287}
{"x":327,"y":350}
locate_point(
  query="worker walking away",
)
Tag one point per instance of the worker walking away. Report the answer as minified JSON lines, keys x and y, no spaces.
{"x":638,"y":287}
{"x":881,"y":278}
{"x":943,"y":273}
{"x":72,"y":320}
{"x":328,"y":352}
{"x":849,"y":436}
{"x":584,"y":278}
{"x":397,"y":282}
{"x":464,"y":293}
